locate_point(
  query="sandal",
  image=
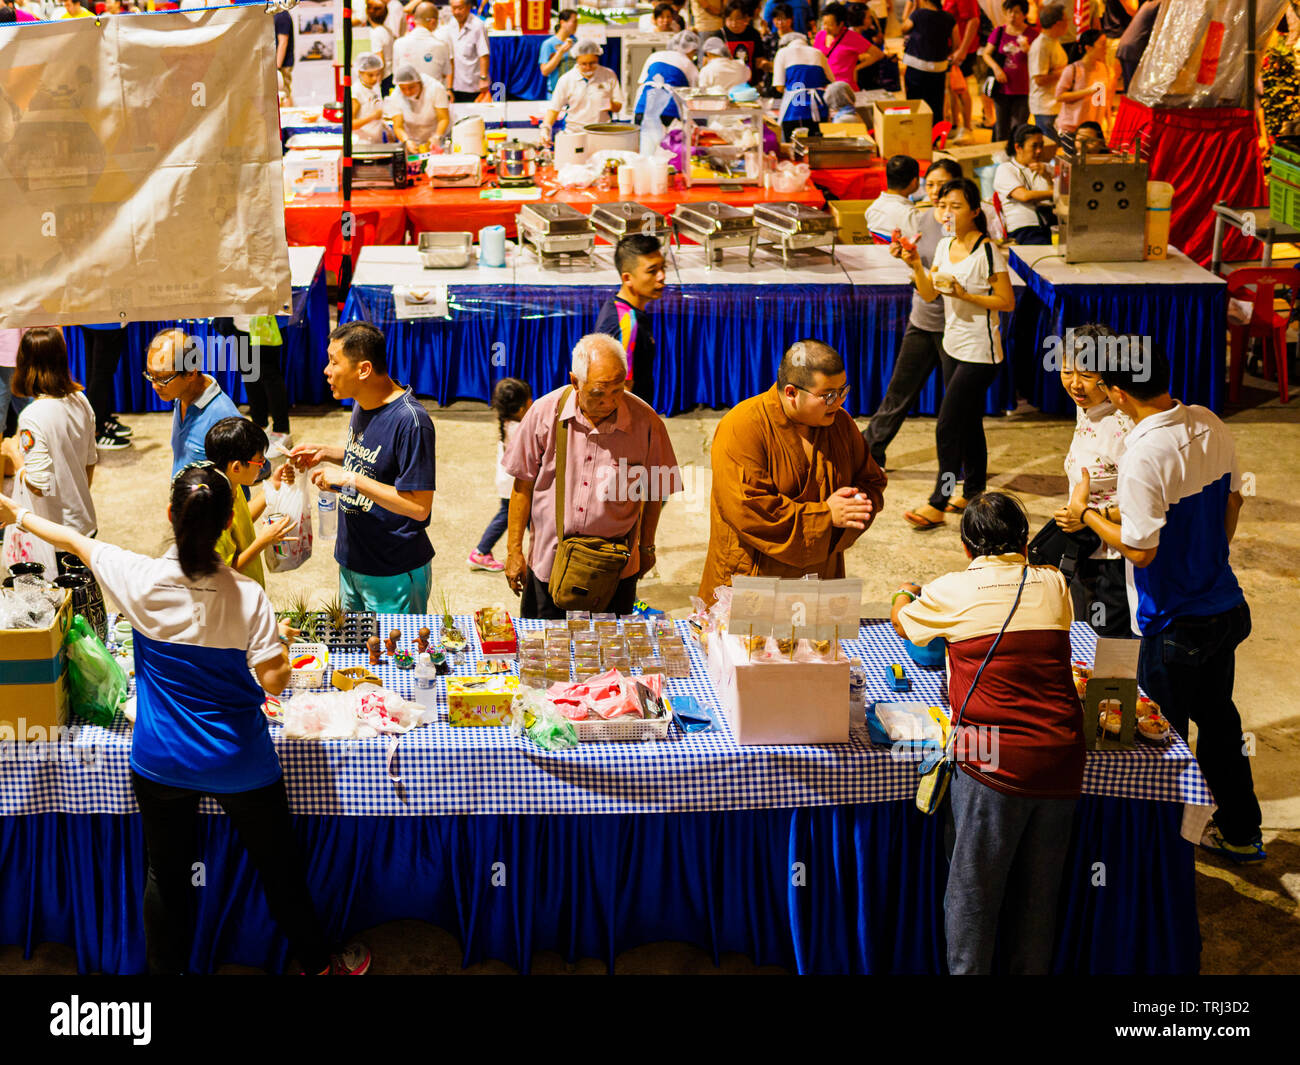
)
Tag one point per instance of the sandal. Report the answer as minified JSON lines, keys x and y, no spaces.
{"x":953,"y":508}
{"x":920,"y":522}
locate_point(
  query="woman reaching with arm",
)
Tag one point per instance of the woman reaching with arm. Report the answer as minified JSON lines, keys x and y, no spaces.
{"x":200,"y":628}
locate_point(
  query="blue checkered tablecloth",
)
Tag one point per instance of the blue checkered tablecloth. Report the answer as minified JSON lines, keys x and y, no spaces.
{"x":448,"y":771}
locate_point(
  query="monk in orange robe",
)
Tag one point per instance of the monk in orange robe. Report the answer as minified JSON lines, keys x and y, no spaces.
{"x":793,"y":483}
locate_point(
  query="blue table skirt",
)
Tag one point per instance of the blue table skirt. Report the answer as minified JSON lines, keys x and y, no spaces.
{"x":515,"y":63}
{"x":871,"y":899}
{"x":1186,"y":320}
{"x":716,"y":344}
{"x":304,"y":355}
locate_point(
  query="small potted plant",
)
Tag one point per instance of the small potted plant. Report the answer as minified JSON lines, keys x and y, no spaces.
{"x":452,"y":638}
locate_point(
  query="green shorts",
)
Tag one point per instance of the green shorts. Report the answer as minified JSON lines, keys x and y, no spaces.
{"x":406,"y":593}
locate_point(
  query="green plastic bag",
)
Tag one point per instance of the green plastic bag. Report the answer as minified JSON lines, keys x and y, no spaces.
{"x":97,"y":682}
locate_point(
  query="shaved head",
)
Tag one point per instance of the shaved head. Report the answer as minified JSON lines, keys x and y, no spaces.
{"x":805,"y":358}
{"x":426,"y":12}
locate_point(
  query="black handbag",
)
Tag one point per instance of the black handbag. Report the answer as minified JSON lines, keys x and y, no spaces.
{"x":1053,"y":546}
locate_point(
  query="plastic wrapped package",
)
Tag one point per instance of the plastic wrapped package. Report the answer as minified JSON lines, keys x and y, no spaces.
{"x":290,"y":500}
{"x":97,"y":683}
{"x":1197,"y":53}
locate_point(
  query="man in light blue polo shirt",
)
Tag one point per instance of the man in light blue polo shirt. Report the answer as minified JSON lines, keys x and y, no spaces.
{"x":1179,"y":495}
{"x":197,"y":399}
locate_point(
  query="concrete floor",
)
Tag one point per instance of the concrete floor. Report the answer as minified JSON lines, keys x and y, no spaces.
{"x":1248,"y":917}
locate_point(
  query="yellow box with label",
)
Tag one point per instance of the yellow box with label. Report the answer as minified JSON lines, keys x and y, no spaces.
{"x":482,"y":700}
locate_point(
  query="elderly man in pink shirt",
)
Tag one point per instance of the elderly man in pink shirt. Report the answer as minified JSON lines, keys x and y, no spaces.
{"x":619,"y":469}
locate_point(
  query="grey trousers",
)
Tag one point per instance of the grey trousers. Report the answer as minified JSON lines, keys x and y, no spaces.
{"x":1005,"y":856}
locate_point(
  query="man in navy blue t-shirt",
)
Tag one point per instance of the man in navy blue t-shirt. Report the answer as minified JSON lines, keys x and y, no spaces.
{"x":384,"y":476}
{"x":1179,"y":495}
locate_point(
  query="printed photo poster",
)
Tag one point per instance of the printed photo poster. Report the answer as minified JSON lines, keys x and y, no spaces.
{"x":315,"y":45}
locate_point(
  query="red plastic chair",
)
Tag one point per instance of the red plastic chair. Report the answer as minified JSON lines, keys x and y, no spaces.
{"x":1257,"y":285}
{"x":939,"y":134}
{"x":365,"y":230}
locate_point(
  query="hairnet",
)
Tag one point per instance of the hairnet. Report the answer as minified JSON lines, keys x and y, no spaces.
{"x":405,"y":75}
{"x":840,"y":94}
{"x":369,"y":61}
{"x":684,"y":42}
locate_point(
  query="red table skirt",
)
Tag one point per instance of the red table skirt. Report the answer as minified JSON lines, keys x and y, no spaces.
{"x":859,"y":183}
{"x":1209,"y":155}
{"x":423,"y":209}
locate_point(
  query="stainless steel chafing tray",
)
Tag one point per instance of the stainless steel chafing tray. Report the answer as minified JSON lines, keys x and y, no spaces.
{"x":716,"y":226}
{"x":827,"y":153}
{"x":554,"y":231}
{"x":795,"y":227}
{"x":613,"y":221}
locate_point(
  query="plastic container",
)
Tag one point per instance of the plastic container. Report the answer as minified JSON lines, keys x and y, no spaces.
{"x":327,"y":515}
{"x":626,"y":180}
{"x":644,"y":176}
{"x":492,"y":246}
{"x":659,"y":177}
{"x":1160,"y":199}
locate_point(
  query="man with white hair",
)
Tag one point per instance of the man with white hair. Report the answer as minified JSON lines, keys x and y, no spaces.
{"x":587,"y":94}
{"x":619,"y":467}
{"x":420,"y":109}
{"x":423,"y":49}
{"x":467,"y":38}
{"x":672,"y":68}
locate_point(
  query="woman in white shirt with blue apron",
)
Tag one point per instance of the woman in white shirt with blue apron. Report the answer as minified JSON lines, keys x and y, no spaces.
{"x":200,"y":628}
{"x":972,"y":276}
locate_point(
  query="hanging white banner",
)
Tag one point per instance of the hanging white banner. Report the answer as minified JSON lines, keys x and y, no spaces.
{"x":140,"y":169}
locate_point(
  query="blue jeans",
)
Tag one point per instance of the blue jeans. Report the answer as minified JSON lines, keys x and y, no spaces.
{"x":1188,"y":668}
{"x":7,"y":398}
{"x":495,"y":528}
{"x":1005,"y":857}
{"x":1047,"y":123}
{"x":405,"y":593}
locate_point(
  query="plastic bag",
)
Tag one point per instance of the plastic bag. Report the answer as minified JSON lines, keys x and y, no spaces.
{"x":20,"y":545}
{"x":550,"y":728}
{"x":290,"y":500}
{"x":97,"y":683}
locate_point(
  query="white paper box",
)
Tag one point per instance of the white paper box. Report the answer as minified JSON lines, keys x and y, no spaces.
{"x":780,"y":702}
{"x":310,"y":170}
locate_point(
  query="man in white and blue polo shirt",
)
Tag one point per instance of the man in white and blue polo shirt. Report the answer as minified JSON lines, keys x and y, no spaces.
{"x":1179,"y":497}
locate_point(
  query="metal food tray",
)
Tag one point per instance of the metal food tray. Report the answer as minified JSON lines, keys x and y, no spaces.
{"x":446,"y":251}
{"x":713,"y":216}
{"x":792,"y":218}
{"x":613,"y":221}
{"x":798,"y":242}
{"x":829,"y":153}
{"x":713,"y":241}
{"x":554,"y":219}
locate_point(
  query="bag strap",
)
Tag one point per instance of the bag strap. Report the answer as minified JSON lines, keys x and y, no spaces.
{"x":956,"y":721}
{"x":561,"y":463}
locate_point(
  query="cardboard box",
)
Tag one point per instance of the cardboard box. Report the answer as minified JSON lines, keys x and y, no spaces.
{"x":34,"y":676}
{"x":480,"y":700}
{"x":902,"y":127}
{"x":1113,"y":680}
{"x":970,"y":157}
{"x":844,"y":129}
{"x":779,"y":702}
{"x":851,"y":221}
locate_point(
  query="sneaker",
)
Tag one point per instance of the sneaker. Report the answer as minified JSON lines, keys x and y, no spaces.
{"x":352,"y":960}
{"x":958,"y":135}
{"x":110,"y":441}
{"x":276,"y":441}
{"x":487,"y":562}
{"x":1212,"y":840}
{"x":117,"y":428}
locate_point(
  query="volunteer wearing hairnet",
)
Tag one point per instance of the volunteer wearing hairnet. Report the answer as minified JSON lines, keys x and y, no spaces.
{"x":800,"y":73}
{"x":674,"y":67}
{"x":720,"y":70}
{"x":368,"y":125}
{"x":420,"y":107}
{"x":840,"y":99}
{"x":586,"y":94}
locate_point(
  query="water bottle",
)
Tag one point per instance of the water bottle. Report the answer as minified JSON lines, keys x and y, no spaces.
{"x":426,"y":677}
{"x":327,"y":515}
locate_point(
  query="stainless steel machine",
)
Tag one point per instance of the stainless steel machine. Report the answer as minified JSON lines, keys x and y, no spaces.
{"x":795,"y":227}
{"x":716,"y":226}
{"x":555,"y":231}
{"x":614,"y":221}
{"x":379,"y":166}
{"x":1101,"y":203}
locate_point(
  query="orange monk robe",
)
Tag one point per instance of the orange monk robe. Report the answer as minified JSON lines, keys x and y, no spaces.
{"x":768,"y":515}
